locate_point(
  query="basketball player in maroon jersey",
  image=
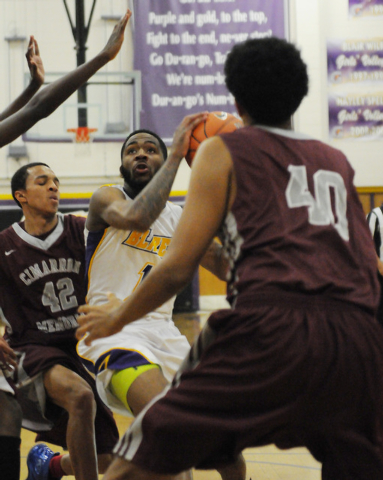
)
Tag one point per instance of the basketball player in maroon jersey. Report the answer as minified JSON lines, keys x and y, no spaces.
{"x":21,"y":115}
{"x":10,"y":412}
{"x":298,"y":359}
{"x":43,"y":266}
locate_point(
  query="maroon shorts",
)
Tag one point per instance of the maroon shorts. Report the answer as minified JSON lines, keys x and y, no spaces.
{"x":291,"y":376}
{"x":40,"y":414}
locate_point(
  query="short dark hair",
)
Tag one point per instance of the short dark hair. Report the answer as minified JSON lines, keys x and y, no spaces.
{"x":163,"y":147}
{"x":19,"y":178}
{"x":268,"y":78}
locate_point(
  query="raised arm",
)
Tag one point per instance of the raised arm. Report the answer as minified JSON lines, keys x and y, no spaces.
{"x":45,"y":102}
{"x":203,"y":214}
{"x":36,"y":69}
{"x":108,"y":206}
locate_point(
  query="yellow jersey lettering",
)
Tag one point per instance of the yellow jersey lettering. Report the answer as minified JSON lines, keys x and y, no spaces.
{"x":143,"y":244}
{"x":164,"y":246}
{"x":148,"y":243}
{"x":154,"y":244}
{"x":133,"y":239}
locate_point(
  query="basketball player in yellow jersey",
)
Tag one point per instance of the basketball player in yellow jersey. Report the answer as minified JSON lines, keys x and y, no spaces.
{"x":123,"y":244}
{"x":125,"y":240}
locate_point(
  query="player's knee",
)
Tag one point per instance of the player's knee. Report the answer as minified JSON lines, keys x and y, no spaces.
{"x":81,"y":400}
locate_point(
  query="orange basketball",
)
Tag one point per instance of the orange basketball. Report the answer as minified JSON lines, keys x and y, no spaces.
{"x":216,"y":122}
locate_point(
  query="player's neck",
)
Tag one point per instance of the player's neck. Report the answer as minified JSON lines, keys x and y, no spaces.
{"x":131,"y":191}
{"x":37,"y":225}
{"x":247,"y":120}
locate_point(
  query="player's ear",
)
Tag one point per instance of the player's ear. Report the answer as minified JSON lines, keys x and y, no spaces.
{"x":121,"y":175}
{"x":20,"y":196}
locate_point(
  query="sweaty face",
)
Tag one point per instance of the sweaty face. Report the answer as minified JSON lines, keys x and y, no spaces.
{"x":141,"y":160}
{"x":41,"y":190}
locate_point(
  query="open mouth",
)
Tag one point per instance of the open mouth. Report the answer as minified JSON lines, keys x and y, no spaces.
{"x":141,"y":168}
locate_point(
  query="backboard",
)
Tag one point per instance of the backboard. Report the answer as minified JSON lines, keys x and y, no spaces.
{"x":112,"y":109}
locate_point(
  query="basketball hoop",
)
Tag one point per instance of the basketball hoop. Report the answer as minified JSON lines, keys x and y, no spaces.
{"x":82,"y":134}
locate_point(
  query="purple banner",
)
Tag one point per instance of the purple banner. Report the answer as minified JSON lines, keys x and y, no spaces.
{"x":181,"y":46}
{"x":355,"y":87}
{"x":355,"y":61}
{"x":357,"y":117}
{"x":365,"y":8}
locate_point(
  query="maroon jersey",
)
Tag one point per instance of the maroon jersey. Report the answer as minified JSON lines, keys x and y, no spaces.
{"x":296,"y":225}
{"x":42,"y":282}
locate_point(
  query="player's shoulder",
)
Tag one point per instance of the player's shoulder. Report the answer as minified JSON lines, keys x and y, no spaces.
{"x":107,"y":193}
{"x":109,"y":187}
{"x":213,"y":157}
{"x":8,"y":242}
{"x":6,"y":233}
{"x":75,"y":219}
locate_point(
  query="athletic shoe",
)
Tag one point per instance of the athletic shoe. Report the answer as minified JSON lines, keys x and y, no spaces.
{"x":38,"y":461}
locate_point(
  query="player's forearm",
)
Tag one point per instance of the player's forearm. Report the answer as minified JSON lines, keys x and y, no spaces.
{"x":45,"y":102}
{"x":48,"y":99}
{"x":105,"y":320}
{"x":151,"y":201}
{"x":21,"y":100}
{"x":57,"y":92}
{"x":163,"y":282}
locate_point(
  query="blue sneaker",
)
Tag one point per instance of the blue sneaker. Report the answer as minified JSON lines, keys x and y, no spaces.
{"x":38,"y":461}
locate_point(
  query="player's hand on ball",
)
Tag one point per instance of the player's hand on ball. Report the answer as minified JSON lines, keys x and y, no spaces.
{"x":214,"y":124}
{"x":181,"y":138}
{"x":98,"y":321}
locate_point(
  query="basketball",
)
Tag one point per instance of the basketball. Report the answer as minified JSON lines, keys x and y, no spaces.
{"x":216,"y":122}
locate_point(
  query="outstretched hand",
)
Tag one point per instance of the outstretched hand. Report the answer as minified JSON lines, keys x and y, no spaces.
{"x":181,"y":137}
{"x":35,"y":64}
{"x":98,"y":321}
{"x":115,"y":41}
